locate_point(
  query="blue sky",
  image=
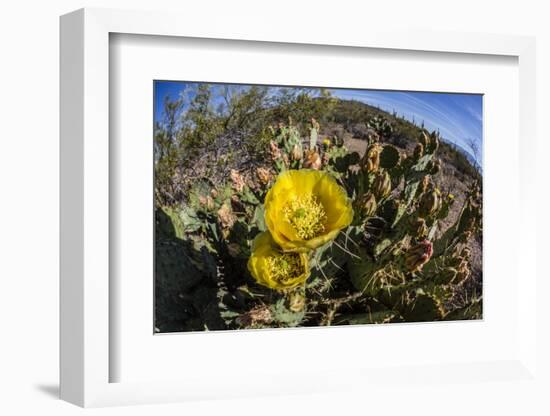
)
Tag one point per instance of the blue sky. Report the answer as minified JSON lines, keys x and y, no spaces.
{"x":458,"y":117}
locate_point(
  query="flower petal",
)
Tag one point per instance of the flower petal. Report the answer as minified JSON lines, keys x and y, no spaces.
{"x":302,"y":183}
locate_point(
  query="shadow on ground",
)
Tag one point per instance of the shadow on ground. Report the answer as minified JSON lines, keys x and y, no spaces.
{"x":51,"y":390}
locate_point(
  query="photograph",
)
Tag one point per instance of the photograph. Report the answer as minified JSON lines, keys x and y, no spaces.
{"x":280,"y":206}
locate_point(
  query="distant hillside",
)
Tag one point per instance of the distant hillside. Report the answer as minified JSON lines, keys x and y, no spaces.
{"x":353,"y":117}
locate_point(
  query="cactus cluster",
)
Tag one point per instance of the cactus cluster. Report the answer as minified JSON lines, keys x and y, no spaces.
{"x":381,"y":126}
{"x":401,"y":258}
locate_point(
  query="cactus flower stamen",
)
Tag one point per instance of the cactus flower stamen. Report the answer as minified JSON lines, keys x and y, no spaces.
{"x":275,"y":269}
{"x":284,"y":267}
{"x":306,"y":215}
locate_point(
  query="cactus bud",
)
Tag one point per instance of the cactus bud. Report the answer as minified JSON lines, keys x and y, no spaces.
{"x":226,"y":216}
{"x":424,"y":140}
{"x":371,"y":159}
{"x":207,"y":202}
{"x":274,"y":151}
{"x":297,"y":301}
{"x":418,"y":151}
{"x":418,"y":255}
{"x":419,"y":229}
{"x":297,"y":152}
{"x":463,"y":271}
{"x":237,"y":180}
{"x":264,"y":175}
{"x":312,"y":160}
{"x":367,"y":205}
{"x":430,"y":203}
{"x":425,"y":184}
{"x":381,"y":187}
{"x":286,"y":162}
{"x":469,"y":217}
{"x":326,"y":143}
{"x":436,"y":167}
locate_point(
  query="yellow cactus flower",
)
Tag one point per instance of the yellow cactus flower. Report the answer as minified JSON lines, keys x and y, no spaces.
{"x":305,"y":209}
{"x":276,"y":269}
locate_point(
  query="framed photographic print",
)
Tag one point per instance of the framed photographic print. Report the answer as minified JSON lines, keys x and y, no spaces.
{"x":319,"y":213}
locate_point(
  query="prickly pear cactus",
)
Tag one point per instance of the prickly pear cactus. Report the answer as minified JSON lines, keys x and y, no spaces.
{"x":401,"y":266}
{"x":402,"y":254}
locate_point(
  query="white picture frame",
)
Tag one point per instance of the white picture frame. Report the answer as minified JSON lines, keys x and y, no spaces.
{"x":85,"y":352}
